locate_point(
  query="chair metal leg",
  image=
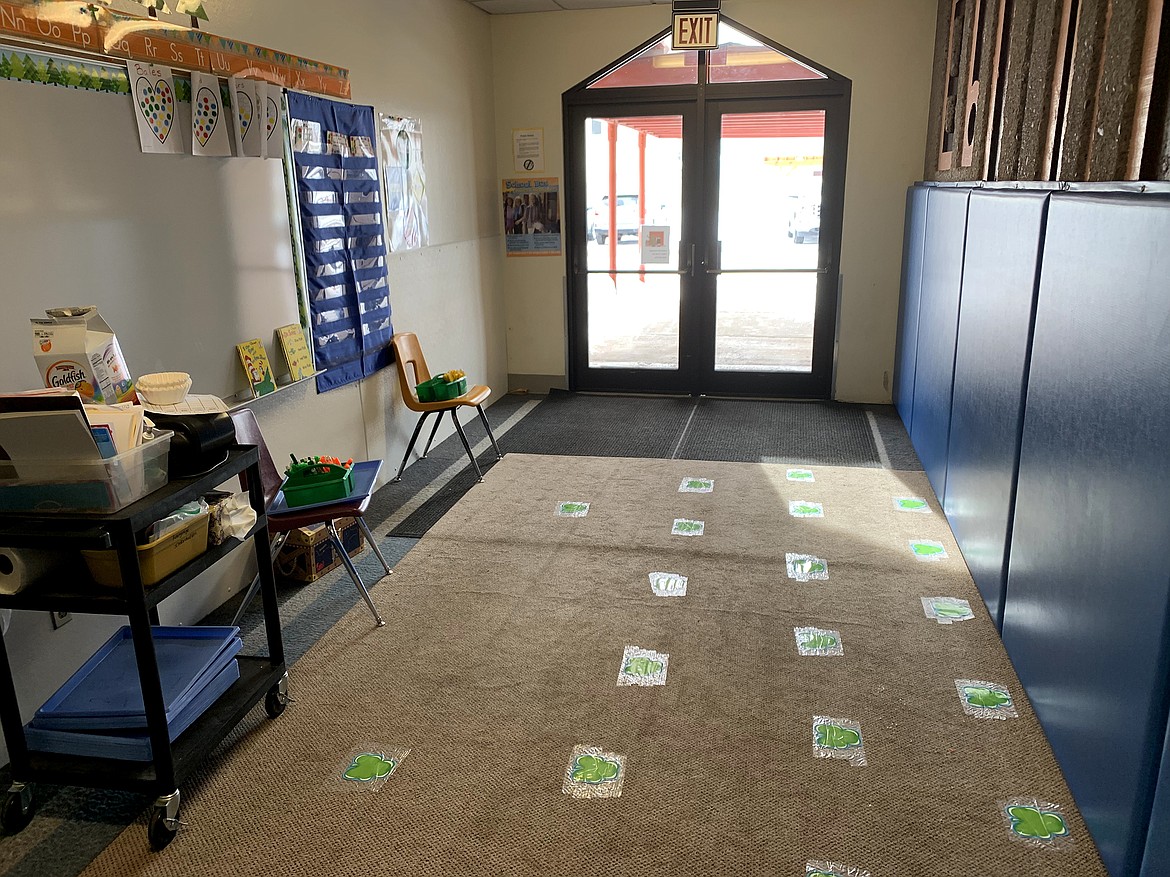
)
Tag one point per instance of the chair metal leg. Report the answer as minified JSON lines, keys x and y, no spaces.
{"x":488,"y":427}
{"x":466,"y":446}
{"x":335,"y":538}
{"x":410,"y":447}
{"x":374,"y":544}
{"x":434,"y":430}
{"x":254,"y":588}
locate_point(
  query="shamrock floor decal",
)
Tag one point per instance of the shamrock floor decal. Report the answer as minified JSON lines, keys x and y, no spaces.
{"x":1036,"y":822}
{"x":838,"y":738}
{"x":697,"y":485}
{"x":926,"y":549}
{"x":668,"y":584}
{"x":799,"y":508}
{"x":947,"y":610}
{"x":832,"y":869}
{"x":643,"y":667}
{"x":373,"y":765}
{"x":593,"y":773}
{"x":572,"y":509}
{"x":985,"y":700}
{"x":683,"y":527}
{"x":806,"y":568}
{"x":814,"y":641}
{"x":156,"y":102}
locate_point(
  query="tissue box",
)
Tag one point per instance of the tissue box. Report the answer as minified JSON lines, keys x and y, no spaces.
{"x":308,"y":552}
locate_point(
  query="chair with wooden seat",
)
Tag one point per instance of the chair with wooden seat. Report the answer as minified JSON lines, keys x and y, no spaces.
{"x":408,"y":356}
{"x":282,"y":523}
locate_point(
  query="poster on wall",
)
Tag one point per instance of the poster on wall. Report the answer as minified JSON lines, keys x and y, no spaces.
{"x":532,"y":220}
{"x":248,"y":111}
{"x":210,"y":119}
{"x":654,"y":244}
{"x":153,"y":88}
{"x":405,"y":180}
{"x":528,"y":150}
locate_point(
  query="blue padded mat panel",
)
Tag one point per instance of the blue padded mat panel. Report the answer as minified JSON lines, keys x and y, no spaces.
{"x":1157,"y":858}
{"x":938,"y":321}
{"x":906,"y":352}
{"x":1088,"y":590}
{"x":995,"y":317}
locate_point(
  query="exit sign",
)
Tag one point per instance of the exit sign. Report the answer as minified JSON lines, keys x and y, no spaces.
{"x":695,"y":30}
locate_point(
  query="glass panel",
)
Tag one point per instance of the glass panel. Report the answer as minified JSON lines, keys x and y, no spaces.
{"x":764,"y":322}
{"x":740,"y":58}
{"x":635,"y":162}
{"x":657,"y":65}
{"x":633,"y":321}
{"x":647,"y":164}
{"x":770,"y":189}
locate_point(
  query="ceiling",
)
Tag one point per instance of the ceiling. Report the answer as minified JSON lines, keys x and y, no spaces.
{"x":508,"y":7}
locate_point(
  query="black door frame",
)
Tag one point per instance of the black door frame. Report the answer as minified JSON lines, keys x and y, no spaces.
{"x":700,"y":107}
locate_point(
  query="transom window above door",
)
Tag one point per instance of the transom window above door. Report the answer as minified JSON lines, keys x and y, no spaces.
{"x":739,"y":58}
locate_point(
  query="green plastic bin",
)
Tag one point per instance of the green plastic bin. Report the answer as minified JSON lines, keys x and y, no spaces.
{"x":300,"y":490}
{"x":440,"y":390}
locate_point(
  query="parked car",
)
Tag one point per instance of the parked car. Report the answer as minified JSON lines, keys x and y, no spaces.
{"x":627,"y":218}
{"x":804,"y":222}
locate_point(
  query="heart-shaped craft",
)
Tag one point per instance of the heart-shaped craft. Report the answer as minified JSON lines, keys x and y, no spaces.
{"x":206,"y":116}
{"x":156,"y":102}
{"x":244,"y":108}
{"x":273,"y":115}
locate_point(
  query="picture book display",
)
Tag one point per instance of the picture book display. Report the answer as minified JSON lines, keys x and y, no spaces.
{"x":256,"y":367}
{"x":296,"y":351}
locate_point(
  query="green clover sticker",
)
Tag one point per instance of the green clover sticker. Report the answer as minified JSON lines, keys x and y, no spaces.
{"x":806,"y":509}
{"x":687,"y":528}
{"x":697,"y":485}
{"x":574,"y":508}
{"x":369,"y":766}
{"x":642,"y":666}
{"x":836,"y":737}
{"x":911,"y":504}
{"x":928,"y":550}
{"x":800,"y":475}
{"x":949,"y":610}
{"x":818,"y":641}
{"x":1032,"y":822}
{"x":594,"y":770}
{"x":988,"y":698}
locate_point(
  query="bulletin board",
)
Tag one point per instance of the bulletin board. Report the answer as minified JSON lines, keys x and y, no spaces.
{"x":184,"y":256}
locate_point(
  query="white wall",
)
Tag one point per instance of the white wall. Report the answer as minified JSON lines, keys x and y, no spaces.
{"x":188,"y":256}
{"x":885,"y":48}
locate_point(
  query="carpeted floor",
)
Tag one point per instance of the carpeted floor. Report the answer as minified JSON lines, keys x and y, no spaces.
{"x":506,"y":631}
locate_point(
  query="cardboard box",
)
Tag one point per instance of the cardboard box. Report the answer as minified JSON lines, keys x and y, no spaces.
{"x":75,"y":349}
{"x":308,"y":552}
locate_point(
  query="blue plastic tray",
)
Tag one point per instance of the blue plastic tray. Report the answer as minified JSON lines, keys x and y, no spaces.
{"x":106,"y":693}
{"x":130,"y":745}
{"x":364,"y":476}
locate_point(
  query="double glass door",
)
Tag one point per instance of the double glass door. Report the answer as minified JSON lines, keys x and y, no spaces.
{"x":704,"y":260}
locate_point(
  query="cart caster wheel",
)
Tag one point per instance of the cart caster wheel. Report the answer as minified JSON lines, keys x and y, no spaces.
{"x":277,"y":698}
{"x":19,"y":808}
{"x":164,"y":821}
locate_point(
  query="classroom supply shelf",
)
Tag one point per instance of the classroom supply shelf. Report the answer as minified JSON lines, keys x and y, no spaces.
{"x":170,"y":762}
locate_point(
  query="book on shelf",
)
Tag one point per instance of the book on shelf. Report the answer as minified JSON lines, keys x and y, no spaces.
{"x":256,"y":367}
{"x":296,"y":351}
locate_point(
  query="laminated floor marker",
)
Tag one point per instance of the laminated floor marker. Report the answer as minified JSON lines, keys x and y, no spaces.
{"x":593,"y":773}
{"x":668,"y":584}
{"x":643,"y":667}
{"x":806,"y":567}
{"x":986,"y":700}
{"x":683,"y":527}
{"x":697,"y":485}
{"x":572,"y":509}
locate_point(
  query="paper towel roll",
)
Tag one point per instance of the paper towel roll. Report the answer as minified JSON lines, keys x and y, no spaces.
{"x":19,"y":568}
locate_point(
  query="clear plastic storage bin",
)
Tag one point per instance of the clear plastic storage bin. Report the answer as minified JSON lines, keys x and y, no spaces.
{"x":107,"y":485}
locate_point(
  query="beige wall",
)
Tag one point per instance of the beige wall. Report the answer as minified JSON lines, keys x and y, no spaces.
{"x":886,"y":49}
{"x":187,"y":256}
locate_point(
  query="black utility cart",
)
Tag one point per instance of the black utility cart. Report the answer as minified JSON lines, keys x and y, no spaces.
{"x":261,"y":678}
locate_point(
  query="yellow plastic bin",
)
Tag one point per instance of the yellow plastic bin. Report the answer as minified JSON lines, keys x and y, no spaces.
{"x":157,"y":559}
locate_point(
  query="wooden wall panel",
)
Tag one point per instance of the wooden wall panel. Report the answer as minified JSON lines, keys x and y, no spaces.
{"x":1075,"y":90}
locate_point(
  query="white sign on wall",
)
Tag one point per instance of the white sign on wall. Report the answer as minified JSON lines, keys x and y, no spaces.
{"x":528,"y":150}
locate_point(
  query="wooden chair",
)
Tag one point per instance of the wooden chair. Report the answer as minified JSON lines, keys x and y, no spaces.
{"x":280,"y":525}
{"x":408,"y":356}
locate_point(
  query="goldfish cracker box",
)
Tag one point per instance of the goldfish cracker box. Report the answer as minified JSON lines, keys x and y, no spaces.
{"x":75,"y":349}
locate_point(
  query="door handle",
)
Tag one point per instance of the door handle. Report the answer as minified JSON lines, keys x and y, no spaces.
{"x":686,"y":259}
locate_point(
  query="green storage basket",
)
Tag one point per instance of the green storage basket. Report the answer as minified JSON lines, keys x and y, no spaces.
{"x":301,"y":490}
{"x":440,"y":390}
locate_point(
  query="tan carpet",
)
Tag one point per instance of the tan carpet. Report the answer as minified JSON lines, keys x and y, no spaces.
{"x":506,"y":627}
